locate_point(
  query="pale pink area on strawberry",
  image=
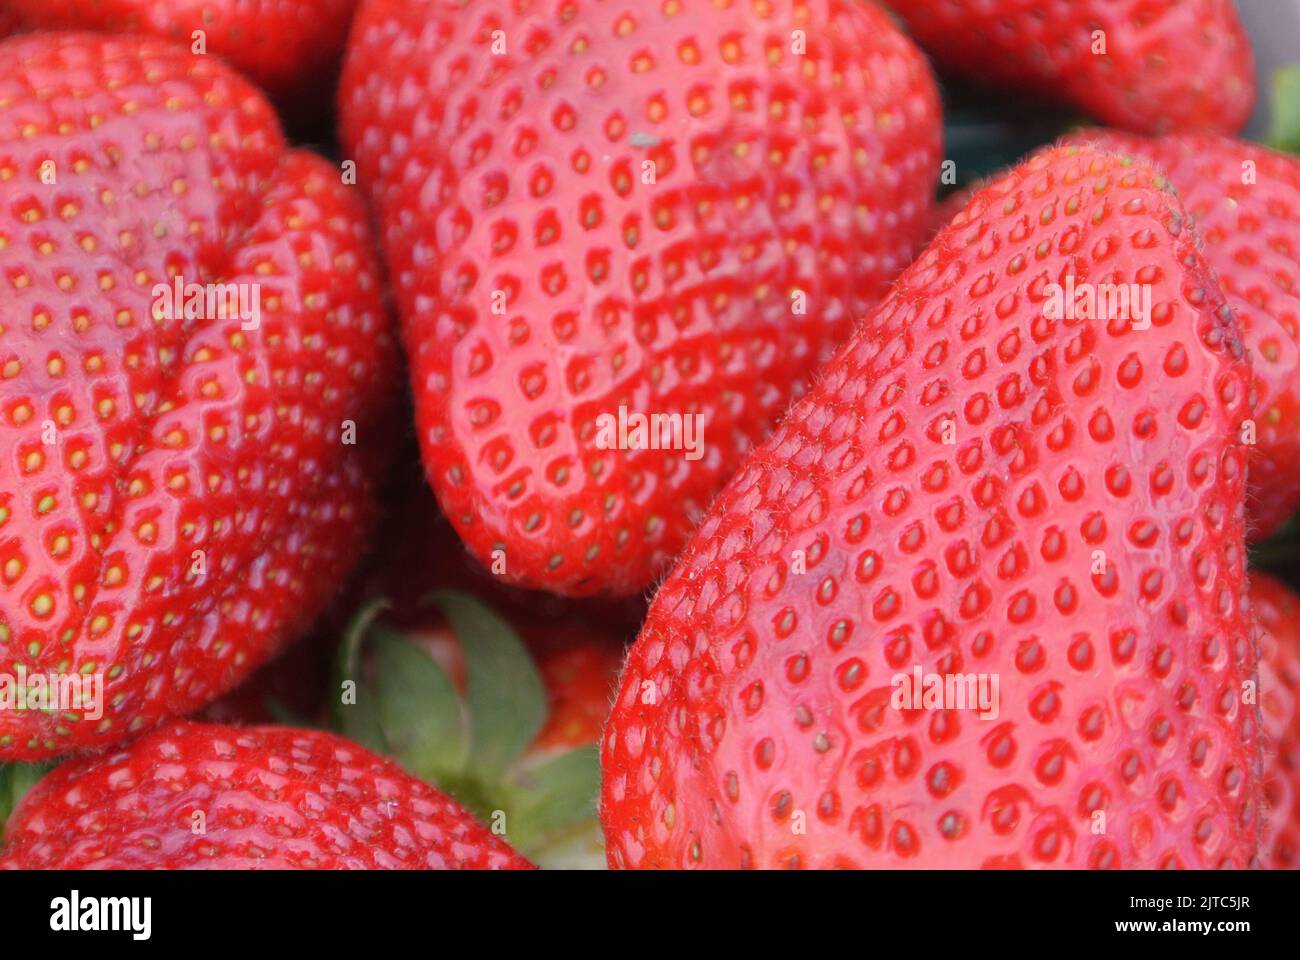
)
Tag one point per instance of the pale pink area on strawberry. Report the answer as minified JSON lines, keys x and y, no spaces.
{"x":978,"y":485}
{"x":1244,"y":200}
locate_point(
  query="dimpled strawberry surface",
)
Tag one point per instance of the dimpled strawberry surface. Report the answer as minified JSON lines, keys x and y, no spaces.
{"x":177,"y":497}
{"x":674,"y":209}
{"x":193,"y":796}
{"x":973,"y":488}
{"x":1245,"y":202}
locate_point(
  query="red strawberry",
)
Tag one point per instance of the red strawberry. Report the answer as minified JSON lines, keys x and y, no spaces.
{"x":1245,"y":201}
{"x":579,"y":671}
{"x":673,"y":210}
{"x":191,"y":796}
{"x":178,"y":496}
{"x":972,"y":488}
{"x":283,"y":45}
{"x":1152,"y":66}
{"x":1277,"y":611}
{"x":503,"y":716}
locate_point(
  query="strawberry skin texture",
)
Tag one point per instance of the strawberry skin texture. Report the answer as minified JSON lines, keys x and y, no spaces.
{"x":757,"y":698}
{"x":775,"y":175}
{"x":1169,"y":65}
{"x":1252,"y":239}
{"x":283,"y":45}
{"x":1277,"y":612}
{"x":271,"y":798}
{"x":198,"y":505}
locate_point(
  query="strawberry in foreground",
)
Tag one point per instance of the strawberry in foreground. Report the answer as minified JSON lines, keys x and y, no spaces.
{"x":199,"y":796}
{"x":506,"y":722}
{"x":1151,"y":66}
{"x":180,"y":493}
{"x":973,"y":488}
{"x":594,"y":213}
{"x":283,"y":45}
{"x":1245,"y":202}
{"x":1277,"y":611}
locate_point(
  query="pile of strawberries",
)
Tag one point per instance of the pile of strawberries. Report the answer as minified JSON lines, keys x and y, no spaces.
{"x":335,"y":479}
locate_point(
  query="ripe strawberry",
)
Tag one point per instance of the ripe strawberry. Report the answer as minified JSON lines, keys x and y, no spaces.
{"x":974,"y":488}
{"x":1277,"y":611}
{"x":1153,"y":66}
{"x":674,"y":210}
{"x":178,"y":495}
{"x":191,"y":796}
{"x":579,"y":671}
{"x":505,"y":717}
{"x":283,"y":45}
{"x":1245,"y":201}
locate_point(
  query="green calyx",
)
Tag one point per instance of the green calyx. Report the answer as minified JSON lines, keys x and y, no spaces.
{"x":1285,"y":132}
{"x":394,"y":698}
{"x":15,"y":780}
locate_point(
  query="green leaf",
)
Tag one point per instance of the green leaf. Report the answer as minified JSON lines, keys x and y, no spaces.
{"x":579,"y":848}
{"x":1285,"y":134}
{"x":420,"y":712}
{"x":554,"y":796}
{"x":358,"y":720}
{"x":15,"y":780}
{"x":506,"y":700}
